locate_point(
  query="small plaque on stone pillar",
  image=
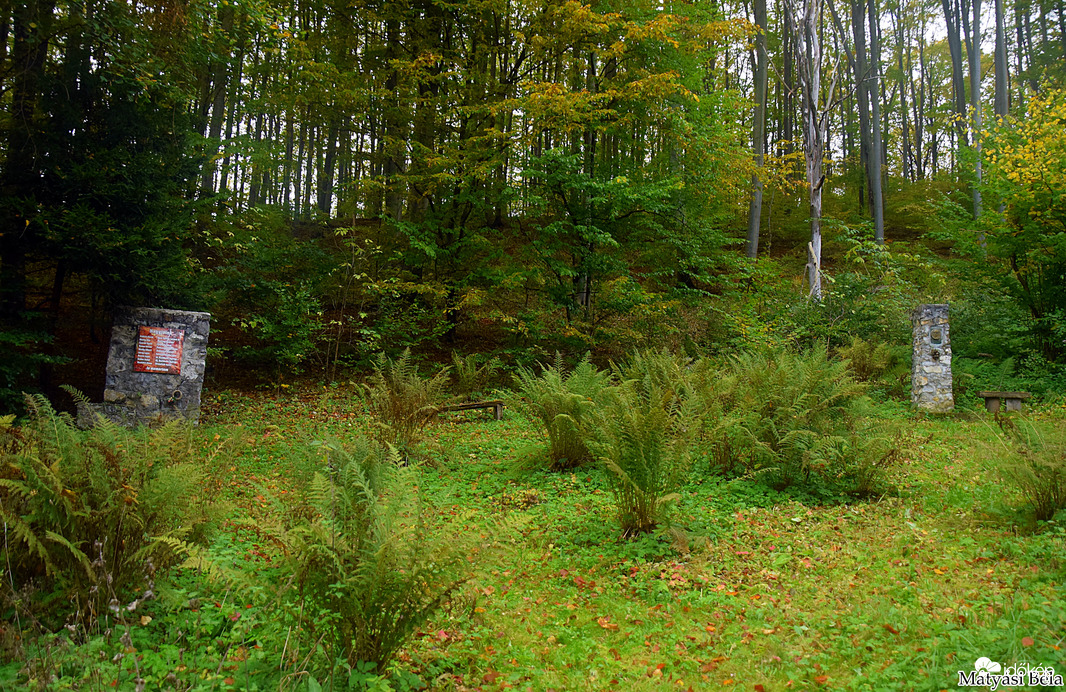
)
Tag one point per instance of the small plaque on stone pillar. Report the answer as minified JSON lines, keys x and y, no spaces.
{"x":155,"y":367}
{"x":158,"y":350}
{"x":931,"y":359}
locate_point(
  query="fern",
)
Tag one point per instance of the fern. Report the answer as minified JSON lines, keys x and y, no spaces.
{"x":85,"y":507}
{"x":367,"y":568}
{"x":643,"y":438}
{"x":793,"y":413}
{"x":1031,"y":456}
{"x":471,"y":375}
{"x":563,"y":403}
{"x":403,"y":402}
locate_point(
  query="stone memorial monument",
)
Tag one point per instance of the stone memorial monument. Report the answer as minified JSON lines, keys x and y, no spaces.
{"x":931,"y":360}
{"x":155,"y":367}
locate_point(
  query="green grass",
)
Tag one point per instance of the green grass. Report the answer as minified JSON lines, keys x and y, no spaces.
{"x":747,"y":587}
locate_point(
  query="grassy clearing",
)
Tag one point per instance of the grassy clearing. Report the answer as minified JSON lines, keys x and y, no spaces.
{"x":749,"y":587}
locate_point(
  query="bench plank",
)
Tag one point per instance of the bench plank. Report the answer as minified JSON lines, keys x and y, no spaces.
{"x":1012,"y":400}
{"x":496,"y":405}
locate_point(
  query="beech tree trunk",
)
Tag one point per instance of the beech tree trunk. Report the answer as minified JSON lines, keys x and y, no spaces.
{"x":758,"y":134}
{"x":1002,"y":78}
{"x":816,"y":109}
{"x":877,"y":205}
{"x":975,"y":101}
{"x":952,"y":19}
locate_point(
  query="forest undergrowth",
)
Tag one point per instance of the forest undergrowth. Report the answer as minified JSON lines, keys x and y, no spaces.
{"x":745,"y":586}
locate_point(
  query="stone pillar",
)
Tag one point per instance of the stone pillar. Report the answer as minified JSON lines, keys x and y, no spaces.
{"x":155,"y":368}
{"x":931,"y":360}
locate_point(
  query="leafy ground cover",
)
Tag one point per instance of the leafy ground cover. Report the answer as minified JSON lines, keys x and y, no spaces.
{"x":748,"y":587}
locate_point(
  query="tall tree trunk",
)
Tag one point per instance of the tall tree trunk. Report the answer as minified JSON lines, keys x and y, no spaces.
{"x":391,"y":141}
{"x":1002,"y":78}
{"x":1062,"y":28}
{"x":232,"y":118}
{"x":219,"y":80}
{"x":815,"y":119}
{"x":952,"y":19}
{"x":758,"y":134}
{"x":903,"y":65}
{"x":1023,"y":53}
{"x":788,"y":116}
{"x":862,"y":90}
{"x":877,"y":205}
{"x":975,"y":101}
{"x":918,"y":105}
{"x":287,"y":168}
{"x":327,"y":172}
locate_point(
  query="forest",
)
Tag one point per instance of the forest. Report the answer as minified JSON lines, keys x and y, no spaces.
{"x":331,"y":180}
{"x":679,"y":244}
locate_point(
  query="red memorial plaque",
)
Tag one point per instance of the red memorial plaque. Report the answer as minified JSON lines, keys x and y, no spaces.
{"x":159,"y":350}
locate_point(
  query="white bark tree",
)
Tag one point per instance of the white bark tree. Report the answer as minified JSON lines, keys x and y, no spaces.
{"x":817,"y":103}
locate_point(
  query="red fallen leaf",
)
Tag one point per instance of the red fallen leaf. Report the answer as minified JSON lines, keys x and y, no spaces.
{"x":891,"y":629}
{"x":490,"y":677}
{"x":229,"y":681}
{"x":614,"y":652}
{"x":235,"y":617}
{"x":1027,"y":641}
{"x":760,"y":688}
{"x":564,"y":573}
{"x":606,"y":624}
{"x":822,"y":679}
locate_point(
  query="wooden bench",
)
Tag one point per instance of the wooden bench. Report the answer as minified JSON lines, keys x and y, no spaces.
{"x":496,"y":405}
{"x":1012,"y":400}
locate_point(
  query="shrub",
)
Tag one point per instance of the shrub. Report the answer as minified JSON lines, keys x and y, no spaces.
{"x":642,"y":438}
{"x":1031,"y":456}
{"x":402,"y":401}
{"x":563,"y":403}
{"x":791,"y":415}
{"x":367,"y":568}
{"x":96,"y":511}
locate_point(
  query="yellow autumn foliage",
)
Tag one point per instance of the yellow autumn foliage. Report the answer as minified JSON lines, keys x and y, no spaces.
{"x":1027,"y":157}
